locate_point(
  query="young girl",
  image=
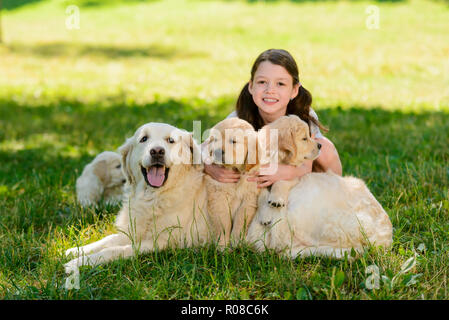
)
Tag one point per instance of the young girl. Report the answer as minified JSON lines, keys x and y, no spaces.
{"x":274,"y":90}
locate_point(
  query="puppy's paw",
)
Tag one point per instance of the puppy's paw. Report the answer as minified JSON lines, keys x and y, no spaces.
{"x":265,"y":218}
{"x":275,"y":201}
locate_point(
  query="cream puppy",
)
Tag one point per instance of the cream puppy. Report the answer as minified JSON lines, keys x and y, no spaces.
{"x":326,"y":215}
{"x":101,"y":179}
{"x":233,"y":144}
{"x":294,"y":146}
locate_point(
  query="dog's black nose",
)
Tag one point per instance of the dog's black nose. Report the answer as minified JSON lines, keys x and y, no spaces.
{"x":158,"y":151}
{"x":319,"y":146}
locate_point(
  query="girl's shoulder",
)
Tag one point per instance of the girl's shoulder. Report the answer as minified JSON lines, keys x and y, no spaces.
{"x":314,"y":129}
{"x":233,"y":114}
{"x":313,"y":114}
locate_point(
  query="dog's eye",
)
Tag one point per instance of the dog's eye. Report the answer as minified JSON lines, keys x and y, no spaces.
{"x":144,"y":138}
{"x":118,"y":166}
{"x":232,"y":141}
{"x":304,"y":139}
{"x":171,"y":140}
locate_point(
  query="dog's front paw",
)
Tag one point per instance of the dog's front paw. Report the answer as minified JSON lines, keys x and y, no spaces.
{"x":275,"y":202}
{"x":72,"y":265}
{"x":82,"y":260}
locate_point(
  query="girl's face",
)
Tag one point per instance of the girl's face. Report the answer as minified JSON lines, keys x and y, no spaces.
{"x":272,"y":88}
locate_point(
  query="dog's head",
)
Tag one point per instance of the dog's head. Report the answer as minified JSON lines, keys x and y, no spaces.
{"x":155,"y":150}
{"x":107,"y":167}
{"x":294,"y":142}
{"x":233,"y":144}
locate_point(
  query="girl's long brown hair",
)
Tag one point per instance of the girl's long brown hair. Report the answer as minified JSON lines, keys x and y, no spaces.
{"x":246,"y":108}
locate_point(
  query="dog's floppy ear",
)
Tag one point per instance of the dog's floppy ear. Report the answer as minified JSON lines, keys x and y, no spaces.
{"x":125,"y":150}
{"x":287,"y":144}
{"x":101,"y":171}
{"x":299,"y":129}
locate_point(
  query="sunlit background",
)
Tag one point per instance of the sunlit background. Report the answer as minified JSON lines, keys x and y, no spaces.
{"x":144,"y":51}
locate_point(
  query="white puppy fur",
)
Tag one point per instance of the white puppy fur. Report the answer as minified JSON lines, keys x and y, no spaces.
{"x":101,"y":179}
{"x":165,"y":203}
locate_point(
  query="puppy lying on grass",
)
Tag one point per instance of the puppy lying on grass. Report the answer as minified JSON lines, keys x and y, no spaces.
{"x":325,"y":215}
{"x":101,"y":179}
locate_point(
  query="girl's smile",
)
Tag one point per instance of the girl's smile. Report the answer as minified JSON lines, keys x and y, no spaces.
{"x":270,"y":101}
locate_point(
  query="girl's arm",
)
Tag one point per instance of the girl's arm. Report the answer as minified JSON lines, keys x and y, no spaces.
{"x":328,"y":160}
{"x":221,"y":174}
{"x":284,"y":172}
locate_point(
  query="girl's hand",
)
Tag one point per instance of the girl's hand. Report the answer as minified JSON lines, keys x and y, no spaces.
{"x":221,"y":174}
{"x":284,"y":172}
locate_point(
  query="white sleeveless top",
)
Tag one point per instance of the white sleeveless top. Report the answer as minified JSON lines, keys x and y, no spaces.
{"x":314,"y":129}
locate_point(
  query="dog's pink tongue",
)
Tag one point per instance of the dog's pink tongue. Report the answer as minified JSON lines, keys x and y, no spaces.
{"x":156,"y":176}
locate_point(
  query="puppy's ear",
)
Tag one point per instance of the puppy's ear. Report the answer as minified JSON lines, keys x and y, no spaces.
{"x":287,"y":145}
{"x":101,"y":171}
{"x":125,"y":151}
{"x":299,"y":130}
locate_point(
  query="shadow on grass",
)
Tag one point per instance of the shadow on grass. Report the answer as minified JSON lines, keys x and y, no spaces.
{"x":43,"y":149}
{"x":97,"y":3}
{"x":402,"y":156}
{"x":64,"y":49}
{"x":308,"y":1}
{"x":14,"y":4}
{"x":355,"y":131}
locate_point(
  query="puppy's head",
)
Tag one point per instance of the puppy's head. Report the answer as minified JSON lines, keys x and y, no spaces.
{"x":233,"y":144}
{"x":107,"y":167}
{"x":154,"y":151}
{"x":294,"y":142}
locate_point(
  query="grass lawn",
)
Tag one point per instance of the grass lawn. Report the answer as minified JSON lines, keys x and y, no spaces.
{"x":66,"y":95}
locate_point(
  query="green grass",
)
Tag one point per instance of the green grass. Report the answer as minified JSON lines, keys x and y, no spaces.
{"x":67,"y":95}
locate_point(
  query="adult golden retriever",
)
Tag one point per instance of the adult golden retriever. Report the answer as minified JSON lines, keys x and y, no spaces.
{"x":326,"y":215}
{"x":165,"y":203}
